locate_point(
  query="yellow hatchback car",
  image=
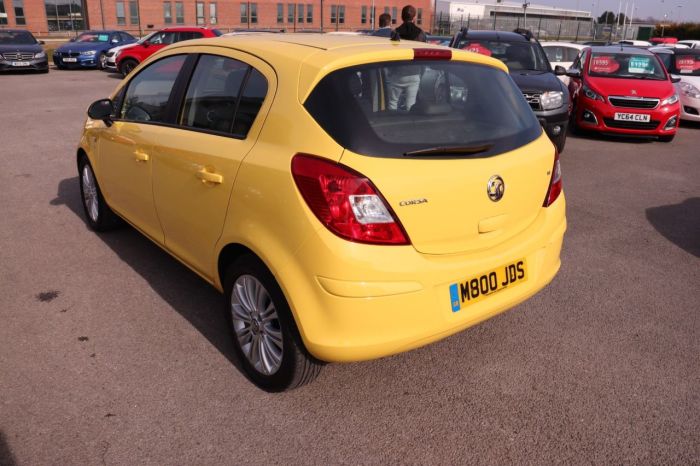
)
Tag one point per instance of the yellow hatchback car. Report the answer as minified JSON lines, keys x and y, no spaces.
{"x":352,"y":197}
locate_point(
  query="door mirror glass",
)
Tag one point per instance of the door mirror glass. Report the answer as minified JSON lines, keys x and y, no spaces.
{"x":559,"y":70}
{"x":101,"y":110}
{"x":675,"y":79}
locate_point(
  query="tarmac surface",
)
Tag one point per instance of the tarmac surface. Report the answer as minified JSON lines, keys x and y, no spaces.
{"x":111,"y":352}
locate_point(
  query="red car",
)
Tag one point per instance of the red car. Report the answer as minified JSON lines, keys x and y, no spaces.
{"x":129,"y":58}
{"x":623,"y":90}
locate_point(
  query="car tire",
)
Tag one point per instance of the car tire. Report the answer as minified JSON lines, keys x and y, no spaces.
{"x":667,"y":138}
{"x":98,"y":215}
{"x":265,"y":337}
{"x":127,"y":65}
{"x":101,"y":61}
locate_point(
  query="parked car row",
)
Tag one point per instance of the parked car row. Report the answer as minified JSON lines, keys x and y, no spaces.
{"x":20,"y":51}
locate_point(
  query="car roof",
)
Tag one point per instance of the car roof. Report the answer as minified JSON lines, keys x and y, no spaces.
{"x":185,"y":28}
{"x":499,"y":35}
{"x":14,"y":30}
{"x":563,"y":44}
{"x":306,"y":58}
{"x":620,"y":49}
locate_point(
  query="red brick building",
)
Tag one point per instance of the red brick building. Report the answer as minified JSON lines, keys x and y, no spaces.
{"x":141,"y":16}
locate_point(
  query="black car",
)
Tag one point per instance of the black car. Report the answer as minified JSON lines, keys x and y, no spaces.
{"x":20,"y":51}
{"x":531,"y":71}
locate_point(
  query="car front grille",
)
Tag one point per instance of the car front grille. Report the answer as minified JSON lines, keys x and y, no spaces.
{"x":610,"y":123}
{"x":534,"y":99}
{"x":18,"y":55}
{"x":633,"y":102}
{"x":67,"y":54}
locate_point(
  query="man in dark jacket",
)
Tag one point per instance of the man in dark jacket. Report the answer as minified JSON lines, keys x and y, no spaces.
{"x":408,"y":30}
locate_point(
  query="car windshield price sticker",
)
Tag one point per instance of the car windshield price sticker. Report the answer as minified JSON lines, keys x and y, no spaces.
{"x":604,"y":64}
{"x":640,"y":65}
{"x":687,"y":64}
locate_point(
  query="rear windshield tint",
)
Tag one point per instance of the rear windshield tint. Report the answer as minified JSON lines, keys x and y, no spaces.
{"x":391,"y":108}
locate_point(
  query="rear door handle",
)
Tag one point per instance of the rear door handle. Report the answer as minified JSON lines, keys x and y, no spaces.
{"x":141,"y":156}
{"x":208,"y":177}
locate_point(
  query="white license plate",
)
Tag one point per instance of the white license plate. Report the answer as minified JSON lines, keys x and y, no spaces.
{"x":70,"y":60}
{"x":20,"y":63}
{"x":633,"y":117}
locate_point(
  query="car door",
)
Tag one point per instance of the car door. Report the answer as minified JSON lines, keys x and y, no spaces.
{"x":126,"y":146}
{"x":195,"y":164}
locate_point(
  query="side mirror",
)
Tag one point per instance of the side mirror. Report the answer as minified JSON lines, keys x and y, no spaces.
{"x":146,"y":43}
{"x":559,"y":70}
{"x":41,"y":42}
{"x":101,"y":110}
{"x":573,"y":73}
{"x":675,"y":79}
{"x":72,"y":39}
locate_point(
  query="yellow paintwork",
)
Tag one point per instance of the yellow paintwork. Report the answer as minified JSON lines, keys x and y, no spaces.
{"x":350,"y":301}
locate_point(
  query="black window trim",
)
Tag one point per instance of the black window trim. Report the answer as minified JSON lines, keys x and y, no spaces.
{"x":176,"y":100}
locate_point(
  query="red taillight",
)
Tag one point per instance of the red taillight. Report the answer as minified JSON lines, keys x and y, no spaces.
{"x":432,"y":54}
{"x":555,"y":182}
{"x":346,"y":202}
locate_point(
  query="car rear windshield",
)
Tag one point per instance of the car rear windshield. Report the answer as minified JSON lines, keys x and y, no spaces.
{"x":625,"y":65}
{"x":393,"y":108}
{"x":517,"y":55}
{"x":686,"y":65}
{"x":16,"y":38}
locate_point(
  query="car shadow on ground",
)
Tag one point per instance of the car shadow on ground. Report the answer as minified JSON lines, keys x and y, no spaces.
{"x":690,"y":124}
{"x":6,"y":456}
{"x":181,"y":288}
{"x":679,"y":223}
{"x":592,"y":135}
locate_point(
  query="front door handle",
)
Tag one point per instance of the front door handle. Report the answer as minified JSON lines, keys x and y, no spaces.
{"x":208,"y":177}
{"x":141,"y":156}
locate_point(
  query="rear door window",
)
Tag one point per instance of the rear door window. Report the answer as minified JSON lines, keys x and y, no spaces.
{"x":390,"y":109}
{"x":188,"y":35}
{"x":148,"y":93}
{"x":224,"y":96}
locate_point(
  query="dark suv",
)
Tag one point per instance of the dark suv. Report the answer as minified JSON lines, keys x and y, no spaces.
{"x":531,"y":71}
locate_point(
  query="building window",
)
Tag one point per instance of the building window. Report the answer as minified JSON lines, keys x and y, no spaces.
{"x":254,"y":13}
{"x":179,"y":13}
{"x":290,"y":12}
{"x":386,"y":9}
{"x":309,"y":13}
{"x":19,"y":12}
{"x":121,"y":13}
{"x":300,"y":13}
{"x":67,"y":15}
{"x":199,"y":9}
{"x":363,"y":18}
{"x":167,"y":13}
{"x":334,"y":14}
{"x":3,"y":13}
{"x":394,"y":14}
{"x":244,"y":13}
{"x":212,"y":13}
{"x":133,"y":12}
{"x":341,"y":14}
{"x":280,"y":12}
{"x":419,"y":16}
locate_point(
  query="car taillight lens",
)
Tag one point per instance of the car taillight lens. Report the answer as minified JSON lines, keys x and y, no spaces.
{"x":346,"y":202}
{"x":555,"y":182}
{"x":432,"y":54}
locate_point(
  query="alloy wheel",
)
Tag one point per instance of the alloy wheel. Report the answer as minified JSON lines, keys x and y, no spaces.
{"x":90,"y":193}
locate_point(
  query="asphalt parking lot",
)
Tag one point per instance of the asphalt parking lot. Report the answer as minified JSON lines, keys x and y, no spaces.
{"x":112,"y":352}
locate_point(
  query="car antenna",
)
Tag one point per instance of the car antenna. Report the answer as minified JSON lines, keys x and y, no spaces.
{"x":395,"y":37}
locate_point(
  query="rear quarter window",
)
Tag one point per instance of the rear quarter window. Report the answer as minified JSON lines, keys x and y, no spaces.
{"x":389,"y":109}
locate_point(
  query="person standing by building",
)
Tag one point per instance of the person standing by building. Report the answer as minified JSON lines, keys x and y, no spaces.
{"x":408,"y":30}
{"x":384,"y":26}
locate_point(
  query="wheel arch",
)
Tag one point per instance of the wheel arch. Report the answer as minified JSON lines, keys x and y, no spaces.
{"x":228,"y":255}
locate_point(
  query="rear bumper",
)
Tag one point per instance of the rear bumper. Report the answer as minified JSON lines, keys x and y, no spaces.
{"x":366,"y":302}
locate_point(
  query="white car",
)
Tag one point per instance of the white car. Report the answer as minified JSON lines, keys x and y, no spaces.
{"x":636,"y":43}
{"x":108,"y":61}
{"x":562,"y":54}
{"x":684,"y":64}
{"x":693,"y":44}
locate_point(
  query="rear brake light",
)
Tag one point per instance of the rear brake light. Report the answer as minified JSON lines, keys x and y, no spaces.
{"x":555,"y":182}
{"x":346,"y":202}
{"x":432,"y":54}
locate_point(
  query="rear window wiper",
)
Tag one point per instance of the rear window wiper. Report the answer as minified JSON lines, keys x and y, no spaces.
{"x":450,"y":150}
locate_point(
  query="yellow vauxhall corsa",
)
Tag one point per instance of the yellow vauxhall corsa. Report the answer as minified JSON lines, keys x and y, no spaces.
{"x":352,"y":197}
